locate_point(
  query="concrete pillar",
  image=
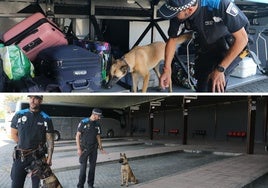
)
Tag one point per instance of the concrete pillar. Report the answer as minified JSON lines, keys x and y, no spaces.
{"x":252,"y":106}
{"x":151,"y":124}
{"x":185,"y":120}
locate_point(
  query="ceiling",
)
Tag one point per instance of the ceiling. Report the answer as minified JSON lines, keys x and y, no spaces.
{"x":124,"y":101}
{"x":103,"y":101}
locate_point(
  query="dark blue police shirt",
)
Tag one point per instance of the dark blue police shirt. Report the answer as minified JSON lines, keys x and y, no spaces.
{"x":212,"y":20}
{"x":32,"y":128}
{"x":89,"y":131}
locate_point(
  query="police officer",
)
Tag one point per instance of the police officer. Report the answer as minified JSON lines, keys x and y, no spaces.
{"x":88,"y":141}
{"x":32,"y":130}
{"x":220,"y":41}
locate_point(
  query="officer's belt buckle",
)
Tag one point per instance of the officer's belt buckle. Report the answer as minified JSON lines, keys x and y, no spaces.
{"x":244,"y":53}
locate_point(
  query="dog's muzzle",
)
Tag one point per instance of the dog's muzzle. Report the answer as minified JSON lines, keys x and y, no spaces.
{"x":121,"y":160}
{"x":112,"y":81}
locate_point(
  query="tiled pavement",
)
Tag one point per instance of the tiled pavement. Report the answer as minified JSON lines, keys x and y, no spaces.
{"x":231,"y":172}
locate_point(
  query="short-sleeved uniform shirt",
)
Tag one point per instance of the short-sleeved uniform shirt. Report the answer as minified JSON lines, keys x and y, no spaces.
{"x":89,"y":131}
{"x":212,"y":20}
{"x":32,"y":128}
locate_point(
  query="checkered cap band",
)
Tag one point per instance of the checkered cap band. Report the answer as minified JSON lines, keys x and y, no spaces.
{"x":97,"y":111}
{"x":181,"y":8}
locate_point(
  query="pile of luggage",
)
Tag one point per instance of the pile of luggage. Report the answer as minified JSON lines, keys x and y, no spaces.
{"x":37,"y":57}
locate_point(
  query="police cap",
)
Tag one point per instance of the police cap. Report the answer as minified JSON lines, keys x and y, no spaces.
{"x":97,"y":111}
{"x":172,"y":7}
{"x":36,"y":96}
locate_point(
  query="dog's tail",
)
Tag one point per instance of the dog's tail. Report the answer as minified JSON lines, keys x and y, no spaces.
{"x":184,"y":37}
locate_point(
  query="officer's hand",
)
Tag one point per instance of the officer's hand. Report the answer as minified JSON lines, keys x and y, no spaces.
{"x":79,"y":152}
{"x":49,"y":161}
{"x":218,"y":81}
{"x":165,"y":78}
{"x":103,"y":151}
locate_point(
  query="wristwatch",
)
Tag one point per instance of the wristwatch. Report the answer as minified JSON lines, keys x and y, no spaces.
{"x":220,"y":68}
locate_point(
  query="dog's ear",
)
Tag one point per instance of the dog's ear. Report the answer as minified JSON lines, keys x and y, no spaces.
{"x":113,"y":60}
{"x":124,"y":69}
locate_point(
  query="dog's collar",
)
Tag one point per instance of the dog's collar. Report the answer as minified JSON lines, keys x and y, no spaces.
{"x":124,"y":60}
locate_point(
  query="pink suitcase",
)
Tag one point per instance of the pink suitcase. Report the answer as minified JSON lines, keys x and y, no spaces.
{"x":34,"y":34}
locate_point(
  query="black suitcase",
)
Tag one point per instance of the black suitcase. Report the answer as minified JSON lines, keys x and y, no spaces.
{"x":72,"y":67}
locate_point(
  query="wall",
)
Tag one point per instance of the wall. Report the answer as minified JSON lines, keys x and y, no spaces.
{"x":202,"y":118}
{"x":217,"y":120}
{"x":260,"y":121}
{"x":136,"y":28}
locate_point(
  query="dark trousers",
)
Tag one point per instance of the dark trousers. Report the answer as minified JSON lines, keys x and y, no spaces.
{"x":18,"y":173}
{"x":206,"y":63}
{"x":91,"y":156}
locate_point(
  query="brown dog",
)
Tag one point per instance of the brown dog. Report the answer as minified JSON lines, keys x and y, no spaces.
{"x":139,"y":61}
{"x":126,"y":172}
{"x":43,"y":171}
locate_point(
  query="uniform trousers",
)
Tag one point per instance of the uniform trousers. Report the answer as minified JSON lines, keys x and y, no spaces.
{"x":206,"y":62}
{"x":89,"y":154}
{"x":18,"y":173}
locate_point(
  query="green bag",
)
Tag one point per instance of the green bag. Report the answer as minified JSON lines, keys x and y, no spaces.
{"x":15,"y":63}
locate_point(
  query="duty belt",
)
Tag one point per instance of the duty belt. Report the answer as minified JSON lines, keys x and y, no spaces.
{"x":24,"y":153}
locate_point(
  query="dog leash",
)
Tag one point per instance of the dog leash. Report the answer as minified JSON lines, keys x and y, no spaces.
{"x":188,"y":61}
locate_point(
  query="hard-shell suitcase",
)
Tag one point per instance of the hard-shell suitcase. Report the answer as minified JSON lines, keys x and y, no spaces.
{"x":72,"y":67}
{"x":34,"y":34}
{"x":101,"y":48}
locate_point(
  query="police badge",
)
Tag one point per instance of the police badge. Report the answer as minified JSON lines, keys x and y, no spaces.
{"x":24,"y":119}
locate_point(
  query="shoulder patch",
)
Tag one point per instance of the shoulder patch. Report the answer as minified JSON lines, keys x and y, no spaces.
{"x":23,"y":111}
{"x":44,"y":115}
{"x":85,"y":120}
{"x":232,"y":9}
